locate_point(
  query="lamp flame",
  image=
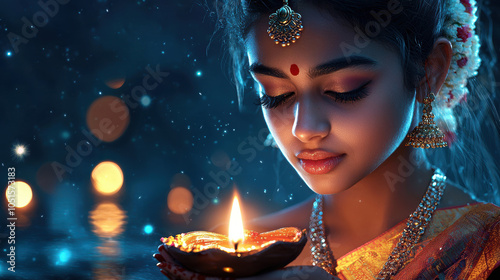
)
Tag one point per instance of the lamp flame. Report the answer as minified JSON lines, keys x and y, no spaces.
{"x":236,"y":234}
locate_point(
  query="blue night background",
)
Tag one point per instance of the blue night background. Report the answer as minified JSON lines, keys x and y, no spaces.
{"x":97,"y":92}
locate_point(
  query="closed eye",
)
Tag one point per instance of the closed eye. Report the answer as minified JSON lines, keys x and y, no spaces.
{"x":350,"y":96}
{"x":270,"y":102}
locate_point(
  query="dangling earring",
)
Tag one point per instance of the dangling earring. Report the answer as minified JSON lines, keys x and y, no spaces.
{"x":427,"y":134}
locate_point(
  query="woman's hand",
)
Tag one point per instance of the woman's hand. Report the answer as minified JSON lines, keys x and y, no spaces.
{"x":174,"y":271}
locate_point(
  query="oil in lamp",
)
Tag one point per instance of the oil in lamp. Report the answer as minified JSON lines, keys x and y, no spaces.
{"x":240,"y":254}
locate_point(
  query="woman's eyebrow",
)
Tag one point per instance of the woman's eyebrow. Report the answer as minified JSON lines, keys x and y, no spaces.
{"x":258,"y":68}
{"x":339,"y":64}
{"x":323,"y":69}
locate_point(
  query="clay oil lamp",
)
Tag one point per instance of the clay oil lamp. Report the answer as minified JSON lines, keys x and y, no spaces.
{"x":240,"y":254}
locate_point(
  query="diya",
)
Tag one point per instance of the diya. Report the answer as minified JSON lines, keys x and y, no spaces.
{"x":243,"y":253}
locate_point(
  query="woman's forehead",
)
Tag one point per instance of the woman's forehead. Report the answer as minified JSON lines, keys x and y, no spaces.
{"x":323,"y":38}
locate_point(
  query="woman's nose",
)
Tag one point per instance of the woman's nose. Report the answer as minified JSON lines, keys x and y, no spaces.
{"x":311,"y":121}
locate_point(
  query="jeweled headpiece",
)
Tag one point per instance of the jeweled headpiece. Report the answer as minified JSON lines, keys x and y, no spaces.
{"x":285,"y":25}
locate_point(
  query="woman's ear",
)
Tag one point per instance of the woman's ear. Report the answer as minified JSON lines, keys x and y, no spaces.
{"x":436,"y":68}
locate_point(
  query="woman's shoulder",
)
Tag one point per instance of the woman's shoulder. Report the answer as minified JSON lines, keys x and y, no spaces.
{"x":457,"y":202}
{"x":459,"y":210}
{"x":464,"y":235}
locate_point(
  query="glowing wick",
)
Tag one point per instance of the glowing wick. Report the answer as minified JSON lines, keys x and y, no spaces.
{"x":236,"y":235}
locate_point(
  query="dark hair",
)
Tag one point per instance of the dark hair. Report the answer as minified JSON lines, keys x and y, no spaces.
{"x":411,"y":33}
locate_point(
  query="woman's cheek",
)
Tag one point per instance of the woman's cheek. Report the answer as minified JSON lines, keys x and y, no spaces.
{"x":385,"y":126}
{"x":280,"y":116}
{"x":280,"y":124}
{"x":272,"y":124}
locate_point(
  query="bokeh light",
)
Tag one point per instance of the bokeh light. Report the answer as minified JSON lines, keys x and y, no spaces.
{"x":220,"y":159}
{"x":108,"y":118}
{"x":145,"y":101}
{"x":148,"y":229}
{"x":107,"y":178}
{"x":65,"y":135}
{"x":108,"y":220}
{"x":20,"y":193}
{"x":115,"y":83}
{"x":180,"y":200}
{"x":19,"y":151}
{"x":63,"y":257}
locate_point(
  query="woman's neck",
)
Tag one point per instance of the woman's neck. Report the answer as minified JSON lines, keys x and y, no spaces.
{"x":379,"y":201}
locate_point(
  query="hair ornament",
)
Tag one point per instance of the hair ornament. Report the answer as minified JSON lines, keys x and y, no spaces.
{"x":460,"y":30}
{"x":285,"y":25}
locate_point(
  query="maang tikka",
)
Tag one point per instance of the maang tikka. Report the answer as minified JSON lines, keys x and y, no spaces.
{"x":285,"y":25}
{"x":427,"y":134}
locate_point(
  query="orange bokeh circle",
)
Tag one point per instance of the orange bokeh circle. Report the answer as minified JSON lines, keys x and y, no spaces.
{"x":107,"y":118}
{"x":115,"y":83}
{"x":180,"y":200}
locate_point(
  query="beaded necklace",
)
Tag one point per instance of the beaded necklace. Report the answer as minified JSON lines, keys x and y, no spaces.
{"x":415,"y":228}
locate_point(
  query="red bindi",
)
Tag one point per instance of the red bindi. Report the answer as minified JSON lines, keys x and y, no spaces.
{"x":294,"y":69}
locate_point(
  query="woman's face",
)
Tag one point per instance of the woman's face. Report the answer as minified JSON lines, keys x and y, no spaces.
{"x":347,"y":101}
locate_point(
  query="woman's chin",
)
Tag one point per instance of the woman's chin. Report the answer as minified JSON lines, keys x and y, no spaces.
{"x":327,"y":190}
{"x":326,"y":185}
{"x":334,"y":182}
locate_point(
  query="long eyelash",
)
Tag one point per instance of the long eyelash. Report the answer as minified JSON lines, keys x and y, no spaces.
{"x":350,"y":96}
{"x":270,"y":102}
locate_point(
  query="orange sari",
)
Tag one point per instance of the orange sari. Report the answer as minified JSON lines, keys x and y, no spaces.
{"x":459,"y":243}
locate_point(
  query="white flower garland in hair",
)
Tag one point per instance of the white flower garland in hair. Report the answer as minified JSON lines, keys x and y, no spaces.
{"x":460,"y":30}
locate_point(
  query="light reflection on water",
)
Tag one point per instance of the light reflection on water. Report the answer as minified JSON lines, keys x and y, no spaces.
{"x":108,"y":270}
{"x":104,"y":242}
{"x":109,"y":248}
{"x":108,"y":221}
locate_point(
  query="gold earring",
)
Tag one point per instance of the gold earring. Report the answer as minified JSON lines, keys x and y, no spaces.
{"x":427,"y":134}
{"x":285,"y":25}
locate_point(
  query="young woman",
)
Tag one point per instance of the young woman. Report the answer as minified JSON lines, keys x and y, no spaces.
{"x":349,"y":91}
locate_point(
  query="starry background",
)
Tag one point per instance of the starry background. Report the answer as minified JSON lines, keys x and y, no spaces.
{"x":185,"y":132}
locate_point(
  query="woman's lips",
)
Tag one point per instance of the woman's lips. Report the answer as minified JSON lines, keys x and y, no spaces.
{"x":321,"y":166}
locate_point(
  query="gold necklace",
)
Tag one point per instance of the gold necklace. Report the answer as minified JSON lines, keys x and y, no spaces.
{"x":415,"y":228}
